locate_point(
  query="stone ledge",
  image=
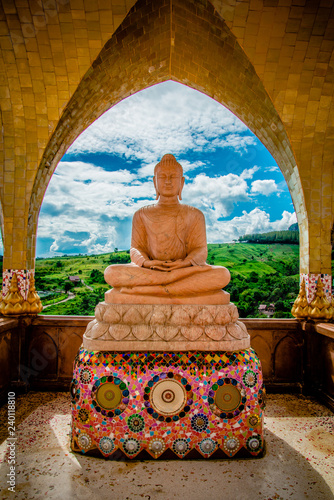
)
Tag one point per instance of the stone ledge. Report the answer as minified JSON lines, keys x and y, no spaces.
{"x":161,"y":327}
{"x":326,"y":329}
{"x":164,"y":346}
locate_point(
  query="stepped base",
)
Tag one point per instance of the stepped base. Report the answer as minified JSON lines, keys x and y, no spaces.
{"x":162,"y":327}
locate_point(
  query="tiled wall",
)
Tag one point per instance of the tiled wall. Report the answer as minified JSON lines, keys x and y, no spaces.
{"x":269,"y":62}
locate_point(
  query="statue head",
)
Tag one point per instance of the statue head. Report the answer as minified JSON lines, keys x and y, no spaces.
{"x":168,"y":177}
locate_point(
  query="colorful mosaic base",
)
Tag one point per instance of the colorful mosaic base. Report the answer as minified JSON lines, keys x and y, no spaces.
{"x":23,"y":277}
{"x":311,"y":284}
{"x":157,"y":401}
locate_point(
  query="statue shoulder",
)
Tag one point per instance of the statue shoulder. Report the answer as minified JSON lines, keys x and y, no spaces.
{"x":192,"y":211}
{"x":144,"y":210}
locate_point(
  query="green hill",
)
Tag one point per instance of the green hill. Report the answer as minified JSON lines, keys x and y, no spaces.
{"x":259,"y":274}
{"x":245,"y":258}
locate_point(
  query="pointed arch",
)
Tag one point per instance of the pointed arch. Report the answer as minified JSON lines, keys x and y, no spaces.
{"x":163,"y":40}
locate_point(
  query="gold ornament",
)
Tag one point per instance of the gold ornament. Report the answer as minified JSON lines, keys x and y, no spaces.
{"x":33,"y":298}
{"x":13,"y":304}
{"x":300,"y":308}
{"x":320,"y":308}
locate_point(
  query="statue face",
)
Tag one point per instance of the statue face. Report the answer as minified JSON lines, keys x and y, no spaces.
{"x":168,"y":181}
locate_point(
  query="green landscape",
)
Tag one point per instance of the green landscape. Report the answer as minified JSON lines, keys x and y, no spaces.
{"x":262,"y":273}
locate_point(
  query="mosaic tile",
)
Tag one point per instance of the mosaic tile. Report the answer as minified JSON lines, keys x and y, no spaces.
{"x":23,"y":277}
{"x":311,"y":284}
{"x":157,"y":401}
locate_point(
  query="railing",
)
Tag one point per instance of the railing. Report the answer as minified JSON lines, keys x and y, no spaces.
{"x":296,"y":356}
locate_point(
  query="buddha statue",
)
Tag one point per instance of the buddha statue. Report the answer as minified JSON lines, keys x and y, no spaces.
{"x":168,"y":251}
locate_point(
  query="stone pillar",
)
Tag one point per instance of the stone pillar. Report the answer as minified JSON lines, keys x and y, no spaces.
{"x":19,"y":296}
{"x":315,"y":247}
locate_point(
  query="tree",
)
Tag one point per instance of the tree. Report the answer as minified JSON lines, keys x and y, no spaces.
{"x":68,"y":286}
{"x":96,"y":276}
{"x":119,"y":258}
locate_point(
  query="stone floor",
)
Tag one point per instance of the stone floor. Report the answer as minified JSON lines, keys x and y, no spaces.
{"x":299,"y":461}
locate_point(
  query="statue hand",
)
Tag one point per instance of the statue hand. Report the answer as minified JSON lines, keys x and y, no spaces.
{"x":177,"y":264}
{"x":156,"y":265}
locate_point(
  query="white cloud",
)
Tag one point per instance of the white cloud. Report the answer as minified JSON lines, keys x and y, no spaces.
{"x":216,"y":196}
{"x":249,"y":172}
{"x":168,"y":118}
{"x":89,"y":210}
{"x":255,"y":221}
{"x":273,"y":168}
{"x":265,"y":187}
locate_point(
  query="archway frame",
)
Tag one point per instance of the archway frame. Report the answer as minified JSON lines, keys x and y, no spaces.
{"x":131,"y":61}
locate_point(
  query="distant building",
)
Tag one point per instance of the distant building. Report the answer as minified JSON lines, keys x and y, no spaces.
{"x":268,"y":311}
{"x":74,"y":279}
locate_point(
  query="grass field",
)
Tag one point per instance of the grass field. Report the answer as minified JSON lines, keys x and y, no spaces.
{"x":260,"y":273}
{"x":239,"y":258}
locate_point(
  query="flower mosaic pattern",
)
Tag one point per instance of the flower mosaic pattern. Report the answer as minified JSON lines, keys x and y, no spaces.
{"x":183,"y":401}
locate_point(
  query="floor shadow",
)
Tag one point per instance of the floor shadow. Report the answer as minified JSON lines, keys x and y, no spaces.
{"x":46,"y":467}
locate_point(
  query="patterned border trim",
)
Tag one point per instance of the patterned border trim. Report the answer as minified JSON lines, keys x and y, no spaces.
{"x":23,"y":280}
{"x":311,"y":283}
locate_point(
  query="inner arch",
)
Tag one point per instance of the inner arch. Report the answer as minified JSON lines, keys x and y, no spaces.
{"x":106,"y":175}
{"x":132,"y":60}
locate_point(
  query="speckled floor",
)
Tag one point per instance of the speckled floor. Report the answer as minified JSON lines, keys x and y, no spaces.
{"x":299,"y":463}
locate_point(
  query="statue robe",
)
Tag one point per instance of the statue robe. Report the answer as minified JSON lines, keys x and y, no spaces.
{"x":168,"y":233}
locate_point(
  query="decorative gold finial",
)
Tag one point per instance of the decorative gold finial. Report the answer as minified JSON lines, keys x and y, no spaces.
{"x":300,"y":308}
{"x":13,"y":304}
{"x":320,"y":308}
{"x":33,"y":299}
{"x":13,"y":300}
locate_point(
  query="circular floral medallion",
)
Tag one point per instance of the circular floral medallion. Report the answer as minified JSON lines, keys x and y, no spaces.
{"x":207,"y":446}
{"x":84,"y":441}
{"x":249,"y":378}
{"x":83,"y":416}
{"x":227,"y":398}
{"x":131,"y":446}
{"x":199,"y":422}
{"x":180,"y":446}
{"x":110,"y":396}
{"x":254,"y":443}
{"x":106,"y":445}
{"x":253,"y":420}
{"x":231,"y":444}
{"x":168,"y":397}
{"x":136,"y":423}
{"x":75,"y":391}
{"x":86,"y":375}
{"x":157,"y":446}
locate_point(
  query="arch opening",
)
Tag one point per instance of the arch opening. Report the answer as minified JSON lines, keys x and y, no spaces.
{"x":107,"y":175}
{"x":115,"y":75}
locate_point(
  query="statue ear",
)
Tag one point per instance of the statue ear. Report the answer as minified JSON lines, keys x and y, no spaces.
{"x":181,"y":187}
{"x":156,"y":189}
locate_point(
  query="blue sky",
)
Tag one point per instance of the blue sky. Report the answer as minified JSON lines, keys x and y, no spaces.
{"x":107,"y":173}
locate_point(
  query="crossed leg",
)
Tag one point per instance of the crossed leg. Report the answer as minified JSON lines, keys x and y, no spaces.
{"x":194,"y":280}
